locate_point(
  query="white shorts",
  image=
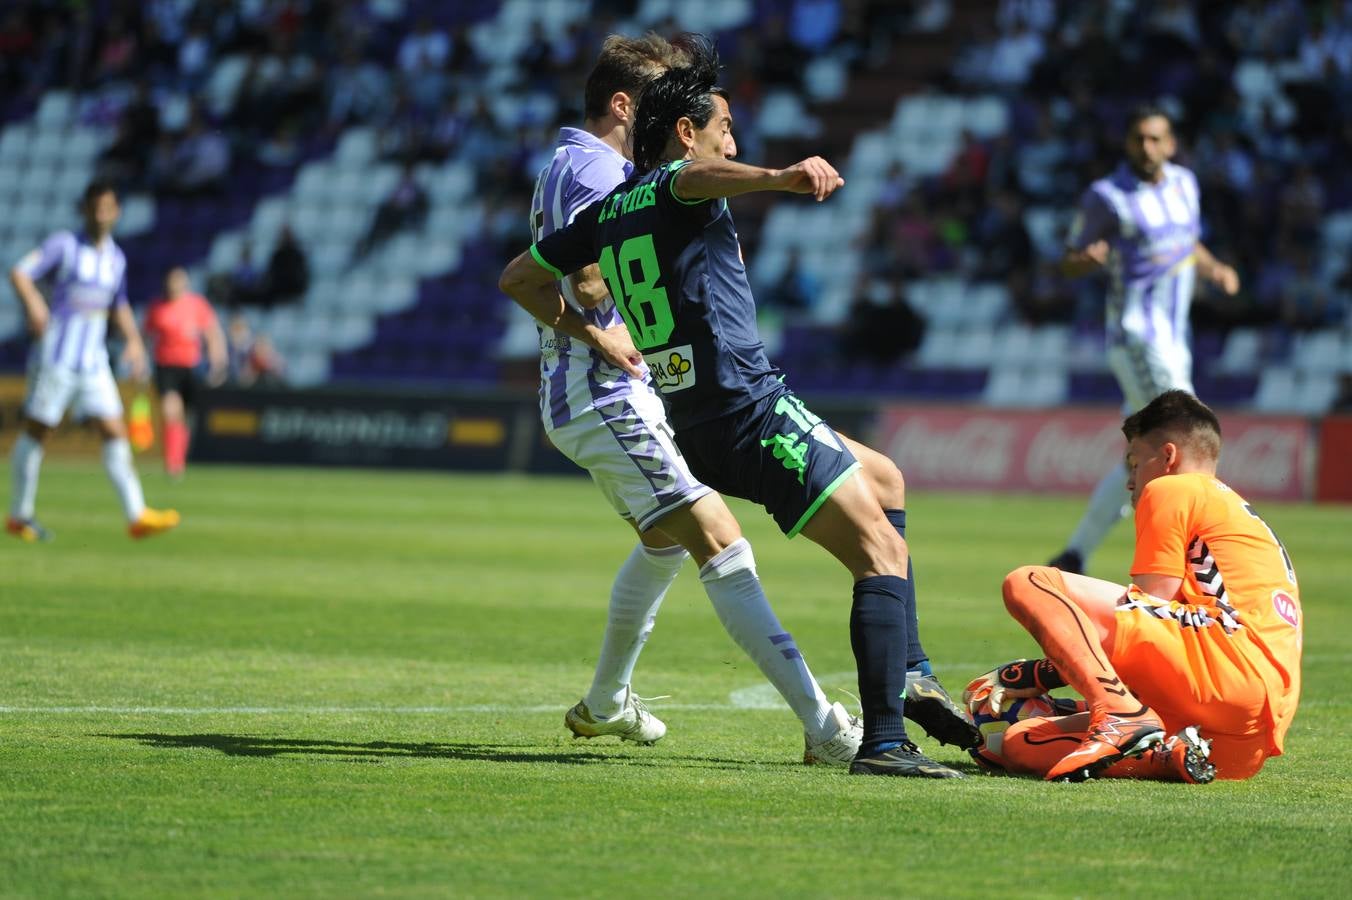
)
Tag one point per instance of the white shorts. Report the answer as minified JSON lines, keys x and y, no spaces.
{"x":627,"y":447}
{"x":1144,"y":371}
{"x":53,"y":389}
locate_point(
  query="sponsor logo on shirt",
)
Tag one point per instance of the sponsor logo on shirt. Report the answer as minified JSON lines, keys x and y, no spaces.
{"x":673,"y":369}
{"x":1285,"y":605}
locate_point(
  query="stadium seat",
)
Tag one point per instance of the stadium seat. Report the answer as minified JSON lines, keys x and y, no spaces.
{"x":56,"y":108}
{"x":1241,"y":352}
{"x":1277,"y":390}
{"x":986,"y":117}
{"x":138,"y":214}
{"x":1317,"y":352}
{"x":14,"y":144}
{"x":356,"y":148}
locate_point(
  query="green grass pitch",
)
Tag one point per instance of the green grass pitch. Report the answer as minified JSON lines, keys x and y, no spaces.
{"x":336,"y":683}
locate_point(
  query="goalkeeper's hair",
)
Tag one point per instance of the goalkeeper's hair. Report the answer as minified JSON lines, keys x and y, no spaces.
{"x":1179,"y":417}
{"x":682,"y":92}
{"x":625,"y":65}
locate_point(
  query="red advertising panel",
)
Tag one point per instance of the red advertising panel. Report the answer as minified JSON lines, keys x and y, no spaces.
{"x":1335,"y":460}
{"x":959,"y":448}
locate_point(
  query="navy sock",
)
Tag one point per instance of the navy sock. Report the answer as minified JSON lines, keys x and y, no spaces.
{"x":878,"y":629}
{"x":916,"y":657}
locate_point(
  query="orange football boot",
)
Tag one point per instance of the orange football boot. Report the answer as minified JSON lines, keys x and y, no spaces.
{"x":1111,"y":737}
{"x":27,"y":530}
{"x":153,"y":522}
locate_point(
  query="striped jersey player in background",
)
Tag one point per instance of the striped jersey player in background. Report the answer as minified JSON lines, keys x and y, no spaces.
{"x":1142,"y":224}
{"x":615,"y":427}
{"x":68,"y":365}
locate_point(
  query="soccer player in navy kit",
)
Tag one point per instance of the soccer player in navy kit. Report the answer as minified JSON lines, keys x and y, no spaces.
{"x":667,"y":248}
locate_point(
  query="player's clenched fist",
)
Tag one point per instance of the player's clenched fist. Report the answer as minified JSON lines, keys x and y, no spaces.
{"x":813,"y":175}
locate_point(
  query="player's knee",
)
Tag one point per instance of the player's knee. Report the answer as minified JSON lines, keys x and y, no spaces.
{"x":1015,"y":597}
{"x":885,"y":479}
{"x":36,"y":430}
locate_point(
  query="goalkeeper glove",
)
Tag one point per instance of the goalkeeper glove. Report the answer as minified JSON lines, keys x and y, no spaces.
{"x":1013,"y":680}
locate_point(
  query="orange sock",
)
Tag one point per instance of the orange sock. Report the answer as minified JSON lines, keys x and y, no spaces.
{"x":175,"y":447}
{"x":1037,"y":597}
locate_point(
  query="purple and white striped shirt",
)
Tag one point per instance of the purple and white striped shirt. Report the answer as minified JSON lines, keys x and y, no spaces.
{"x":87,"y":281}
{"x":1152,"y":230}
{"x":574,"y":379}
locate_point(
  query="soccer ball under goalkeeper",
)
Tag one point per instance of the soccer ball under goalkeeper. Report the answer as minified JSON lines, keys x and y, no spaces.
{"x":993,"y":725}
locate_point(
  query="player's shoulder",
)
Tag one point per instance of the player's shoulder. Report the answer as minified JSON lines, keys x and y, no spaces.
{"x":1178,"y":170}
{"x":1180,"y":488}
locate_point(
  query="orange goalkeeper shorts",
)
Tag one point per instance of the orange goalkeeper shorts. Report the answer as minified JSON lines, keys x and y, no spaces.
{"x":1192,"y":668}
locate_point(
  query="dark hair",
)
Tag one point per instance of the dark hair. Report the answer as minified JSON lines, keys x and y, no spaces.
{"x":1180,"y":417}
{"x":96,"y":189}
{"x":683,"y":92}
{"x":625,"y":65}
{"x":1148,"y":111}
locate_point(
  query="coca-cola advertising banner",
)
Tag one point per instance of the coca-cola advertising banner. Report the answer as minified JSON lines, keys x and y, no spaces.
{"x":1070,"y":450}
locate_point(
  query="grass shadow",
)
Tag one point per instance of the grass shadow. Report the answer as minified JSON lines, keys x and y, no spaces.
{"x":370,"y":751}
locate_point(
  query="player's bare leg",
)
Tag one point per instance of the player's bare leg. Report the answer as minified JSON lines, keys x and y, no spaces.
{"x":851,"y":526}
{"x":142,"y":520}
{"x":25,"y":466}
{"x":1072,"y":618}
{"x":927,"y":703}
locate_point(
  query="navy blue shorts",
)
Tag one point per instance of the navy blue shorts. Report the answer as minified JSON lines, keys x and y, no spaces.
{"x":775,"y":452}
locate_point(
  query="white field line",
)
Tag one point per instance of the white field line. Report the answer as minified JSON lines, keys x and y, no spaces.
{"x":758,"y":696}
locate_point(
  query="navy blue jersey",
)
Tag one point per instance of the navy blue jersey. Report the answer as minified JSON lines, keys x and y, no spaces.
{"x":675,"y":270}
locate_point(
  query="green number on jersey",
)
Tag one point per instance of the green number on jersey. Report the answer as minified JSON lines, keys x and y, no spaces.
{"x":642,"y":303}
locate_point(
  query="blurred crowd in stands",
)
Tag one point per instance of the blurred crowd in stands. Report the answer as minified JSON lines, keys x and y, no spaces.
{"x":1261,"y":93}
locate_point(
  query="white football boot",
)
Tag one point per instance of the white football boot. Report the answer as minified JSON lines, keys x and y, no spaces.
{"x":632,"y":723}
{"x":838,"y":749}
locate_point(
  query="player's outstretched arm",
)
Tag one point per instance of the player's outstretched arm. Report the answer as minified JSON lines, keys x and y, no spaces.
{"x":707,"y":179}
{"x":1213,"y":270}
{"x":535,"y":290}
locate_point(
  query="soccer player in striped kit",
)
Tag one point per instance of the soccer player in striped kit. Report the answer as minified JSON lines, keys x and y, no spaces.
{"x":68,"y":365}
{"x":615,"y":427}
{"x":679,"y":282}
{"x":1142,"y":224}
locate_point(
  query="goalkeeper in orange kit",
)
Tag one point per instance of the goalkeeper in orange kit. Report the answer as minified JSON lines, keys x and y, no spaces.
{"x":1192,"y":671}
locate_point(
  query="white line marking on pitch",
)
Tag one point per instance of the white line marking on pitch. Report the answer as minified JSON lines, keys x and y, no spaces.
{"x":757,"y":696}
{"x":315,"y":710}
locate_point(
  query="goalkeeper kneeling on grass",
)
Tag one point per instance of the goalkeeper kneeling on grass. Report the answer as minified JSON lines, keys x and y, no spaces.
{"x":1191,"y":672}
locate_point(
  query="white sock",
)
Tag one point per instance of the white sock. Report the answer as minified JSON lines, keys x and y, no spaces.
{"x":736,"y":593}
{"x":117,"y":463}
{"x":1107,"y":505}
{"x":25,"y":461}
{"x":637,"y":593}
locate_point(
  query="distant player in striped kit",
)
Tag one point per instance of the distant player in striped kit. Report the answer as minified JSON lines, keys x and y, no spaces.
{"x":1142,"y":224}
{"x":68,"y":365}
{"x":615,"y":427}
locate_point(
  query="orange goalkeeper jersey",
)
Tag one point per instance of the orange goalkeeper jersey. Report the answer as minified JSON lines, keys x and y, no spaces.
{"x":1196,"y":528}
